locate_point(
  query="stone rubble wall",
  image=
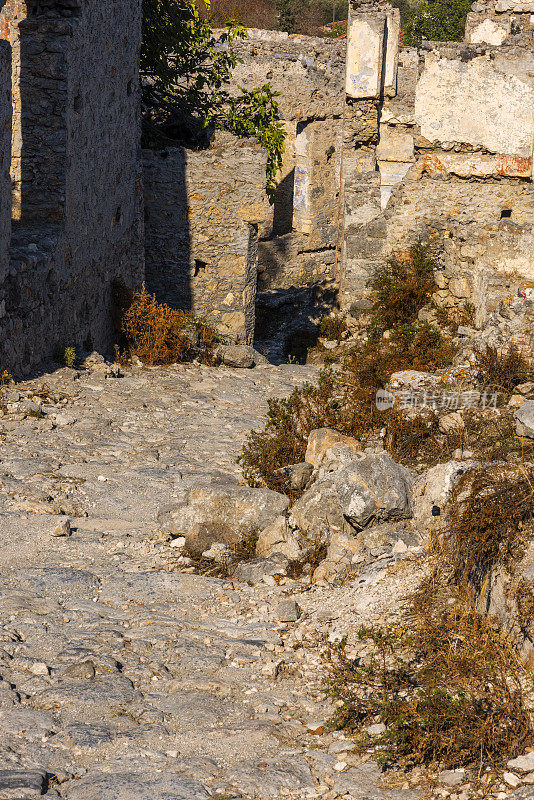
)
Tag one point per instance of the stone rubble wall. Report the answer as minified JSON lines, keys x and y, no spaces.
{"x":5,"y":149}
{"x":202,"y":211}
{"x":77,"y":224}
{"x":299,"y":238}
{"x":445,"y":154}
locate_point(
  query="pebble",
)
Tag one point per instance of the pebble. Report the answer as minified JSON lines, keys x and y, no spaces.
{"x":511,"y":779}
{"x":288,"y":611}
{"x":62,"y":528}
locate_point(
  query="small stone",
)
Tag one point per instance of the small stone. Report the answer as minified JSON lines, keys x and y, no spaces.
{"x":451,"y":423}
{"x":40,"y":668}
{"x":523,"y":763}
{"x":62,"y":527}
{"x":240,"y":356}
{"x":315,"y":728}
{"x":178,"y":542}
{"x":344,"y":746}
{"x":452,"y":777}
{"x":84,"y":670}
{"x":218,"y":552}
{"x":524,"y":419}
{"x":511,"y":779}
{"x":376,"y":730}
{"x":288,"y":611}
{"x":529,"y":779}
{"x":340,"y":766}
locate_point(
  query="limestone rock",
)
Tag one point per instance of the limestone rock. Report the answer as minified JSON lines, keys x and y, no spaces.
{"x":522,"y":763}
{"x":372,"y":487}
{"x":32,"y":779}
{"x":288,"y":610}
{"x":220,"y":513}
{"x":236,"y":355}
{"x":298,"y":475}
{"x":524,"y":419}
{"x":134,"y":786}
{"x":322,"y":439}
{"x":61,"y":527}
{"x":279,"y":538}
{"x":257,"y":569}
{"x":432,"y":492}
{"x":452,"y":777}
{"x":451,"y":423}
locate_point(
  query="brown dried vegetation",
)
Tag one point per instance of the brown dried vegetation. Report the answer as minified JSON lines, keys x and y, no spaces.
{"x":502,"y":370}
{"x":158,"y":334}
{"x":448,"y":684}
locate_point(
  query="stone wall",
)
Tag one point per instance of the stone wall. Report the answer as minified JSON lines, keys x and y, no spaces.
{"x":77,"y":202}
{"x":202,"y":212}
{"x":298,"y":240}
{"x":446,"y":156}
{"x":5,"y":145}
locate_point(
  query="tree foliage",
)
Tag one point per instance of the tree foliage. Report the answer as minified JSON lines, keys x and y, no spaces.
{"x":186,"y":72}
{"x":434,"y":20}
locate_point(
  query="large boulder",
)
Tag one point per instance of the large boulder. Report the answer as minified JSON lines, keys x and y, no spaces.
{"x":524,"y":419}
{"x":432,"y":493}
{"x":223,"y":512}
{"x":371,"y":488}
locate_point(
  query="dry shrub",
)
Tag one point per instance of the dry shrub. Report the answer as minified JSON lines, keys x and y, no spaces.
{"x":244,"y":550}
{"x":332,"y":327}
{"x":490,"y":508}
{"x":502,"y":370}
{"x":409,"y":436}
{"x":402,"y":287}
{"x":158,"y":334}
{"x":452,"y":318}
{"x":415,"y":440}
{"x":448,"y":688}
{"x":284,"y":439}
{"x":344,"y":401}
{"x":447,"y":682}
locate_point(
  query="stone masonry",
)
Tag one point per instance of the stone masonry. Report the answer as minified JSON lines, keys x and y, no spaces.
{"x":77,"y":223}
{"x":298,"y":243}
{"x":448,"y":154}
{"x":202,"y":214}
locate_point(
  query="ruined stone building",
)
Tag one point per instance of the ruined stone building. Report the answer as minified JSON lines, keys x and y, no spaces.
{"x":70,"y":173}
{"x":445,"y":152}
{"x":386,"y":145}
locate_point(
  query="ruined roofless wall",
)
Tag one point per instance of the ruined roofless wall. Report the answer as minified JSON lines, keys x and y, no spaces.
{"x":450,"y":160}
{"x":298,"y":241}
{"x":80,"y":201}
{"x":202,"y":211}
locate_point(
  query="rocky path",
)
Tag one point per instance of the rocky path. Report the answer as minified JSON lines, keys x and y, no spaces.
{"x":123,"y":678}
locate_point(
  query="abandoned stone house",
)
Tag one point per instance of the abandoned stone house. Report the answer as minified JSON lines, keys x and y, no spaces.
{"x":385,"y":145}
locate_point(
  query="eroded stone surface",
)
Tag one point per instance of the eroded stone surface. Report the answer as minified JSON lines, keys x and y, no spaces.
{"x":123,"y":675}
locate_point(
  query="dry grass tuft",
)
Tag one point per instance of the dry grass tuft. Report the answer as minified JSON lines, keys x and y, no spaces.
{"x":489,"y":510}
{"x":448,"y":687}
{"x":502,"y":370}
